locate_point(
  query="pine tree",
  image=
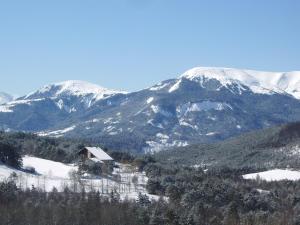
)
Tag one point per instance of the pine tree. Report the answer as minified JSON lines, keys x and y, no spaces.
{"x":143,"y":200}
{"x":232,"y":215}
{"x":9,"y":155}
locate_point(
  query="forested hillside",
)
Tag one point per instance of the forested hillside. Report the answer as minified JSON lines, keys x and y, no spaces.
{"x":269,"y":148}
{"x":61,"y":150}
{"x":194,"y":197}
{"x":221,"y":196}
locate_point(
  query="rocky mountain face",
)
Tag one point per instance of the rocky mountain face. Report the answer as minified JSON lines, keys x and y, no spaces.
{"x":203,"y":105}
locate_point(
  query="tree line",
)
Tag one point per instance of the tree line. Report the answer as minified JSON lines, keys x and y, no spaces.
{"x":221,"y":196}
{"x":36,"y":207}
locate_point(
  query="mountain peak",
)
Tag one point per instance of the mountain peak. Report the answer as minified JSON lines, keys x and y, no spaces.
{"x":257,"y":81}
{"x":72,"y":87}
{"x":224,"y":75}
{"x":213,"y":72}
{"x":78,"y":87}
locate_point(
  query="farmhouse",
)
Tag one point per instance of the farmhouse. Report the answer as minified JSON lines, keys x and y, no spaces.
{"x":95,"y":154}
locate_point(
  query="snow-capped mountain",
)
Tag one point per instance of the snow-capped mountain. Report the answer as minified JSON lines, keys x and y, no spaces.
{"x":68,"y":94}
{"x":51,"y":104}
{"x":4,"y":98}
{"x":201,"y":105}
{"x":257,"y":81}
{"x":72,"y":95}
{"x":72,"y":88}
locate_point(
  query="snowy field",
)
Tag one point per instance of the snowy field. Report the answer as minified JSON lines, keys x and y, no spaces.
{"x":275,"y":175}
{"x":50,"y":174}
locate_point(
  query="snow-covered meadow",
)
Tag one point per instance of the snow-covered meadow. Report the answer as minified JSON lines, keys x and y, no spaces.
{"x":50,"y":174}
{"x":275,"y":175}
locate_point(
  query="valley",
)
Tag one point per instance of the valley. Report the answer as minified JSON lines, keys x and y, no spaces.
{"x":150,"y":112}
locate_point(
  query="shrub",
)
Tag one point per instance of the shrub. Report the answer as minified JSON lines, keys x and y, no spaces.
{"x":30,"y":169}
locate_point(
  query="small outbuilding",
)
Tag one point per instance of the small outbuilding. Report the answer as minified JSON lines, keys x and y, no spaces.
{"x":95,"y":154}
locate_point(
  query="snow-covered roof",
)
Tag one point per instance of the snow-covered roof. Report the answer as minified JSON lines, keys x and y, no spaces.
{"x":99,"y":153}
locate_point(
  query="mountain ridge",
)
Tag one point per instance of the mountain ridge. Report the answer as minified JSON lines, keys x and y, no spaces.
{"x":72,"y":87}
{"x":190,"y":109}
{"x":257,"y":81}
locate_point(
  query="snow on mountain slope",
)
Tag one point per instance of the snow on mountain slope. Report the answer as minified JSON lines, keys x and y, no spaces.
{"x":56,"y":133}
{"x":203,"y":105}
{"x":72,"y":88}
{"x":8,"y":107}
{"x":68,"y":96}
{"x":257,"y":81}
{"x":4,"y":98}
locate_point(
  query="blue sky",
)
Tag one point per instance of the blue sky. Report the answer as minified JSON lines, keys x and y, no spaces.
{"x":133,"y":44}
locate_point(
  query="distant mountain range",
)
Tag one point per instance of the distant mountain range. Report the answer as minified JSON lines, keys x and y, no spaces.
{"x":203,"y":105}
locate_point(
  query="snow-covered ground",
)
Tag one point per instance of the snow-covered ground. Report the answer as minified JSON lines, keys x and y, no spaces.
{"x":49,"y":168}
{"x":275,"y":175}
{"x":49,"y":174}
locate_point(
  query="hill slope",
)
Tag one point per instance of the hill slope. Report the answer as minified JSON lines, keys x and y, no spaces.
{"x":270,"y":148}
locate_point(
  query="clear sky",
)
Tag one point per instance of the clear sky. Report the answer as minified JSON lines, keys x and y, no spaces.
{"x":133,"y":44}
